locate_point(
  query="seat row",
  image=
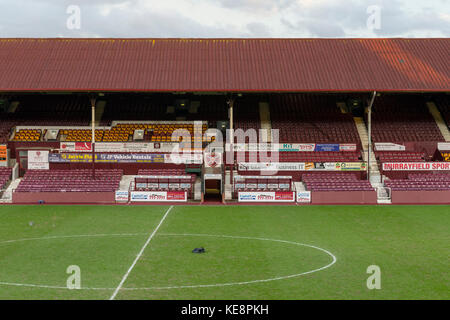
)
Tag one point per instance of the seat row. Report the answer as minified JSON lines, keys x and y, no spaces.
{"x":335,"y":181}
{"x":5,"y":176}
{"x":70,"y":181}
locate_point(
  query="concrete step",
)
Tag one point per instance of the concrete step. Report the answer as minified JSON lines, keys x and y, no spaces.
{"x":266,"y":124}
{"x":363,"y":135}
{"x":228,"y":185}
{"x":125,"y":182}
{"x":198,"y":189}
{"x":375,"y":181}
{"x":99,"y":110}
{"x":439,"y":120}
{"x":299,"y":186}
{"x":7,"y":194}
{"x":13,"y":106}
{"x":342,"y":106}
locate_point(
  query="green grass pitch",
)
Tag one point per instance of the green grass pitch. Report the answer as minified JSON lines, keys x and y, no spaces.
{"x":410,"y":244}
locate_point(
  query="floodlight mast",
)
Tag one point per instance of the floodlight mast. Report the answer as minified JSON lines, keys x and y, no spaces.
{"x":369,"y":131}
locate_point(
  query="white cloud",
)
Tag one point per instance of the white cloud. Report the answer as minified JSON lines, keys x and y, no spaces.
{"x":225,"y":18}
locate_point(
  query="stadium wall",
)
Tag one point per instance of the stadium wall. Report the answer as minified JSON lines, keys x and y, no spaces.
{"x":343,"y":197}
{"x":63,"y":197}
{"x":421,"y":197}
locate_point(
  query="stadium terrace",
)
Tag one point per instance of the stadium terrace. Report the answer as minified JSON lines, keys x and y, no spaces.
{"x":224,"y":121}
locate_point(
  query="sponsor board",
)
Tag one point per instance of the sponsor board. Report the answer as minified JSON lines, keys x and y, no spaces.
{"x":75,"y":147}
{"x":446,"y":156}
{"x":300,"y":166}
{"x":276,"y":166}
{"x":38,"y":160}
{"x":3,"y":154}
{"x":120,"y":147}
{"x":293,"y":147}
{"x":297,"y":147}
{"x":387,"y":146}
{"x":267,"y":196}
{"x":183,"y":158}
{"x":122,"y":196}
{"x":350,"y":166}
{"x":416,"y":166}
{"x":106,"y":158}
{"x":444,"y":146}
{"x":348,"y":147}
{"x":241,"y":147}
{"x":327,"y":147}
{"x":303,"y":196}
{"x":212,"y":176}
{"x":158,"y":196}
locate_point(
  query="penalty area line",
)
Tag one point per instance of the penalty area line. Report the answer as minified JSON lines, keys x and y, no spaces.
{"x":139,"y":255}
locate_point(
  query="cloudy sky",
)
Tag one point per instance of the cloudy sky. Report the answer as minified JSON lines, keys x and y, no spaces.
{"x":224,"y":18}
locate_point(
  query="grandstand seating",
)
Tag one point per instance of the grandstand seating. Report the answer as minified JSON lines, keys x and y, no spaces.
{"x":122,"y":132}
{"x":311,"y":118}
{"x":163,"y":132}
{"x":40,"y":110}
{"x":28,"y":135}
{"x":421,"y":182}
{"x":5,"y":176}
{"x":301,"y":118}
{"x":81,"y":135}
{"x":175,"y":179}
{"x":255,"y":183}
{"x":443,"y":103}
{"x":246,"y":114}
{"x":59,"y":110}
{"x":5,"y":129}
{"x":400,"y":118}
{"x":106,"y":180}
{"x":154,"y":107}
{"x":335,"y":181}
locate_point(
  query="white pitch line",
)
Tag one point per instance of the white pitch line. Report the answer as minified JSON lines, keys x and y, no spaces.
{"x":139,"y":255}
{"x":334,"y":259}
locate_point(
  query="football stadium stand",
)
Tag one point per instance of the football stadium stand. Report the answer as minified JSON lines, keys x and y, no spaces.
{"x":330,"y":151}
{"x":403,"y":119}
{"x":311,"y":118}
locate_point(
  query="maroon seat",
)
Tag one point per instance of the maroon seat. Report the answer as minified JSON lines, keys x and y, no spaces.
{"x":106,"y":180}
{"x":335,"y":181}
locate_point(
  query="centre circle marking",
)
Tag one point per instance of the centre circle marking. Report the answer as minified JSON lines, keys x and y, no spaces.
{"x":333,"y":261}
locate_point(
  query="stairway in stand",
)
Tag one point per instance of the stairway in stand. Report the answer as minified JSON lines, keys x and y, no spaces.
{"x":375,"y":176}
{"x":439,"y":120}
{"x":266,"y":125}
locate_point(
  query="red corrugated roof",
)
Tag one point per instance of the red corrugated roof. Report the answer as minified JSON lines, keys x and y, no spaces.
{"x":224,"y":64}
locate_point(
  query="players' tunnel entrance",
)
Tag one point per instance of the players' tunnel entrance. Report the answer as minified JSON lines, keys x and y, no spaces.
{"x":212,"y":188}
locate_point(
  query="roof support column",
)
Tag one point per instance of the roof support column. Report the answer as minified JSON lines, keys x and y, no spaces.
{"x":93,"y":102}
{"x":230,"y":103}
{"x":369,"y":132}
